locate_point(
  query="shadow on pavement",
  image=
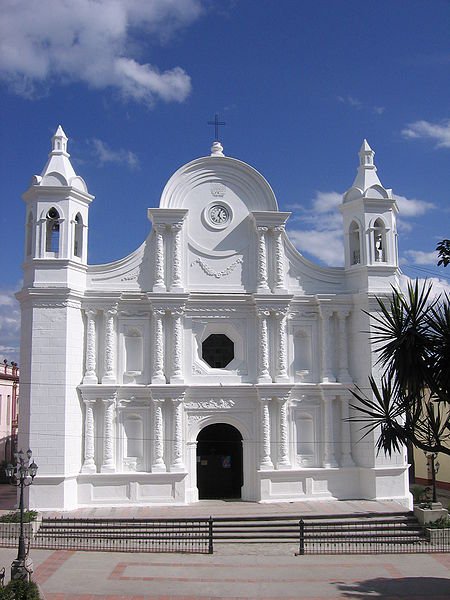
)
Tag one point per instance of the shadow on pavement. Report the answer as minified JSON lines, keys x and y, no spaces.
{"x":404,"y":587}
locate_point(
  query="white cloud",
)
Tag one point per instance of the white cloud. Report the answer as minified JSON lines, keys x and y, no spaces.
{"x":9,"y":326}
{"x":322,"y":238}
{"x":325,"y":245}
{"x":439,"y":286}
{"x":97,"y":42}
{"x":358,"y":105}
{"x":411,"y":207}
{"x":319,"y":230}
{"x":418,"y":257}
{"x":439,"y":132}
{"x":106,"y":155}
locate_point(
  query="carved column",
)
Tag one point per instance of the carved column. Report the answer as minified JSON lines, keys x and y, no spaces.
{"x":159,"y":285}
{"x":266,"y":461}
{"x":177,"y":364}
{"x":158,"y":346}
{"x":109,"y":376}
{"x":158,"y":464}
{"x":346,"y":446}
{"x":263,"y":338}
{"x":177,"y":284}
{"x":279,"y":260}
{"x":90,"y":375}
{"x":327,"y":373}
{"x":282,"y":374}
{"x":262,"y":283}
{"x":108,"y":465}
{"x":343,"y":374}
{"x":177,"y":450}
{"x":283,"y":446}
{"x":89,"y":438}
{"x":329,"y":458}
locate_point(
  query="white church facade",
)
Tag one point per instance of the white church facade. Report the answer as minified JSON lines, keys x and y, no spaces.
{"x":214,"y":361}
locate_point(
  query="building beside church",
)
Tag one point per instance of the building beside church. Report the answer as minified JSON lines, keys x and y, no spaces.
{"x":215,"y":361}
{"x":9,"y":397}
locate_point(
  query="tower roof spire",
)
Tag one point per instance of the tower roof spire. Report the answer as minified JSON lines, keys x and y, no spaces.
{"x":367,"y":171}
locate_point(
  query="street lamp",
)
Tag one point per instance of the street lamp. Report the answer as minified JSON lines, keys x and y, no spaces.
{"x":21,"y":475}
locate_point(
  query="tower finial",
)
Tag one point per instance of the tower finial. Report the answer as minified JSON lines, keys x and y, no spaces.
{"x":59,"y":142}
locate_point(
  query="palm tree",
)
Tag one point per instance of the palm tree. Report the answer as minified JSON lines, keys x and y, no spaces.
{"x":411,"y":403}
{"x":443,"y":250}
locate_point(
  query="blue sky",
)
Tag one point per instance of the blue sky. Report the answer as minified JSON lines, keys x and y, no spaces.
{"x":299,"y":84}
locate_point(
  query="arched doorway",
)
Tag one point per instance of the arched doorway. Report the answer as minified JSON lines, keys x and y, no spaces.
{"x":219,"y":462}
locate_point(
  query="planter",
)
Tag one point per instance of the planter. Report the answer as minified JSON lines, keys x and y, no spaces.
{"x":11,"y":531}
{"x":438,"y":537}
{"x":430,"y":515}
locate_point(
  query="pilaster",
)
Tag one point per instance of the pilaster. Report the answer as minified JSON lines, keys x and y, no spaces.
{"x":110,"y":376}
{"x":283,"y":445}
{"x":89,"y":438}
{"x":90,"y":375}
{"x":108,"y":465}
{"x":158,"y":465}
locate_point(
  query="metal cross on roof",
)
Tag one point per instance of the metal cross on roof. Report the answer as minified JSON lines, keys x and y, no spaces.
{"x":216,"y":124}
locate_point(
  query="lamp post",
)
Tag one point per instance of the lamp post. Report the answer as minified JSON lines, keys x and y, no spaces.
{"x":21,"y":475}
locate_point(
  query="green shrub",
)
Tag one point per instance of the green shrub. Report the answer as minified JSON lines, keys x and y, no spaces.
{"x":417,"y":492}
{"x":18,"y":589}
{"x":14,"y":517}
{"x":442,"y":523}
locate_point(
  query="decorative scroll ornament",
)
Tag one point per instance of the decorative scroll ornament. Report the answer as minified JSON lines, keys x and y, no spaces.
{"x":209,"y":404}
{"x":131,"y":276}
{"x":217,"y":274}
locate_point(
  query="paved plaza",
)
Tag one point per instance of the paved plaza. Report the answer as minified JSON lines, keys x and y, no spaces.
{"x":235,"y":571}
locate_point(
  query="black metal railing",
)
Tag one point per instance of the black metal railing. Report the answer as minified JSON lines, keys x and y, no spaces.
{"x":117,"y":535}
{"x":343,"y":534}
{"x":370,"y":537}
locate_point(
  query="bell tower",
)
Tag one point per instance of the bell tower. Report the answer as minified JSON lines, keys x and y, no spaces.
{"x":370,"y":233}
{"x":55,"y":269}
{"x":56,"y":222}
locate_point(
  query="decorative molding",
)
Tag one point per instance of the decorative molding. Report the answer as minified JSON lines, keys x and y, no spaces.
{"x":196,"y":418}
{"x":218,"y":190}
{"x":217,"y":274}
{"x":212,"y":403}
{"x":131,"y":276}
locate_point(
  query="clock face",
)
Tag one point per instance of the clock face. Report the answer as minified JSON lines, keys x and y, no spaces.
{"x":218,"y":214}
